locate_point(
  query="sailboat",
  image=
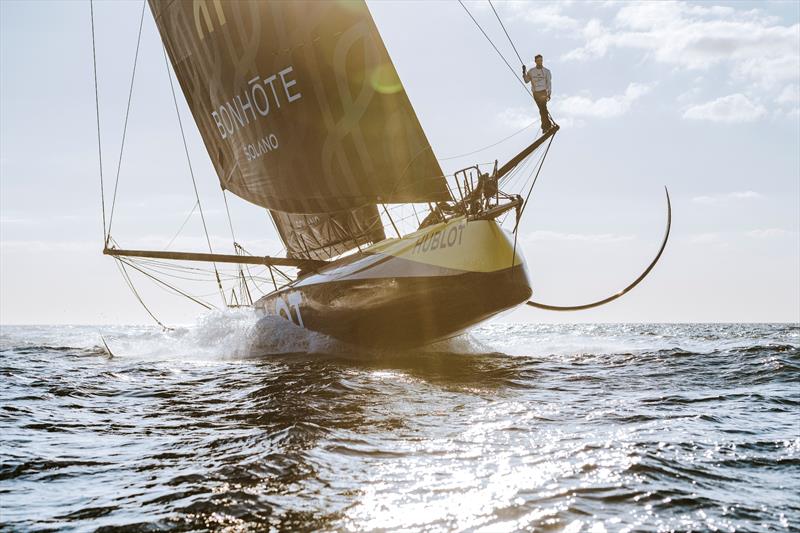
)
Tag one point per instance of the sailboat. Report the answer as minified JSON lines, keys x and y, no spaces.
{"x":302,"y":113}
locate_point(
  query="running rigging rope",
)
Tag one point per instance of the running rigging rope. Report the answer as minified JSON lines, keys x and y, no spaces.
{"x":235,"y":245}
{"x":127,"y":278}
{"x":165,"y":284}
{"x":182,"y":226}
{"x":97,"y":114}
{"x":504,"y":139}
{"x":504,"y":31}
{"x":107,"y":228}
{"x":514,"y":72}
{"x":127,"y":114}
{"x":191,"y":172}
{"x":230,"y":220}
{"x":527,"y":197}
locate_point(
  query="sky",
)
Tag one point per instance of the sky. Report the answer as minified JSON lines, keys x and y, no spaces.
{"x":703,"y":98}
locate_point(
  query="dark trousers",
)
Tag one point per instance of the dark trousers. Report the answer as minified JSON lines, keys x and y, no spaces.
{"x":540,"y":97}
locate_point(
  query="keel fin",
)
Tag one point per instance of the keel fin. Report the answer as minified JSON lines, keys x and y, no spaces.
{"x":626,"y":289}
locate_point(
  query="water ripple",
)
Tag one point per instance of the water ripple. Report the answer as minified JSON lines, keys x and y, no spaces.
{"x":243,"y":424}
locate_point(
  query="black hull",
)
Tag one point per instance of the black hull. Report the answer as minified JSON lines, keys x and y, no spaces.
{"x":427,"y":286}
{"x":404,"y":312}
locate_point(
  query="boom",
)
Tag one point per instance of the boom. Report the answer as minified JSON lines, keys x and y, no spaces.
{"x":219,"y":258}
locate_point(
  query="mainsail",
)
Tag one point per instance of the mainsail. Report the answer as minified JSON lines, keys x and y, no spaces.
{"x":302,"y":112}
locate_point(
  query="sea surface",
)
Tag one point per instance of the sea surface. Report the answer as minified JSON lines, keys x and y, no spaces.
{"x":236,"y":424}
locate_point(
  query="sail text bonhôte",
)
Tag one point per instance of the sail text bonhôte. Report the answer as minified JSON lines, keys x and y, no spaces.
{"x":238,"y":111}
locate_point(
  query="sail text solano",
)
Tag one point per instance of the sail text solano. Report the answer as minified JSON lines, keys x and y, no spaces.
{"x":263,"y":146}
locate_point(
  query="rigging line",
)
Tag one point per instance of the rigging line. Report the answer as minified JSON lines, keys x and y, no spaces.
{"x":129,"y":282}
{"x":524,"y":176}
{"x":523,"y":172}
{"x":275,"y":285}
{"x":510,"y":178}
{"x":127,"y":114}
{"x":233,"y":235}
{"x":514,"y":174}
{"x":235,"y":244}
{"x":522,"y":168}
{"x":165,"y":284}
{"x":392,"y":221}
{"x":270,"y":267}
{"x":230,"y":221}
{"x":97,"y":114}
{"x":166,"y":273}
{"x":280,"y":237}
{"x":504,"y":31}
{"x":538,"y":167}
{"x":504,"y":139}
{"x":514,"y":72}
{"x":182,"y":226}
{"x":255,"y":279}
{"x":525,"y":203}
{"x":168,"y":264}
{"x":191,"y":172}
{"x":245,"y":287}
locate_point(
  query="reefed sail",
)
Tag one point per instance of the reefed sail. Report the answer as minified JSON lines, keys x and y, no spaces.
{"x":327,"y":235}
{"x":299,"y":104}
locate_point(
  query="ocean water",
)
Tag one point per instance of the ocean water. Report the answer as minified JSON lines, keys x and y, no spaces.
{"x":236,"y":424}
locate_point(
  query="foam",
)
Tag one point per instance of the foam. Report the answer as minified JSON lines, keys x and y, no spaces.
{"x":219,"y":334}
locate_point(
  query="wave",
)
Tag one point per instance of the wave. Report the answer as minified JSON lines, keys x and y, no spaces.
{"x":242,"y":334}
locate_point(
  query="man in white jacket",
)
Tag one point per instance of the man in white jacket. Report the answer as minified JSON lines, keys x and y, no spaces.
{"x":540,"y":79}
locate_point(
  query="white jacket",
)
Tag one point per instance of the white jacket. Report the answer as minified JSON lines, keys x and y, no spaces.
{"x":540,"y":78}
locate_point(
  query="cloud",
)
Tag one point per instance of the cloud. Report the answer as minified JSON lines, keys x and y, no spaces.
{"x":519,"y":117}
{"x":597,"y":43}
{"x":755,"y":47}
{"x":789,"y":95}
{"x":688,"y":95}
{"x":571,"y":110}
{"x":734,"y":108}
{"x":544,"y":16}
{"x":768,"y":233}
{"x":604,"y":107}
{"x":725,"y":197}
{"x":543,"y":235}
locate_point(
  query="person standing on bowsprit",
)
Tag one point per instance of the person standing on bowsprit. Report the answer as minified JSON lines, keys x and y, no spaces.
{"x":540,"y":80}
